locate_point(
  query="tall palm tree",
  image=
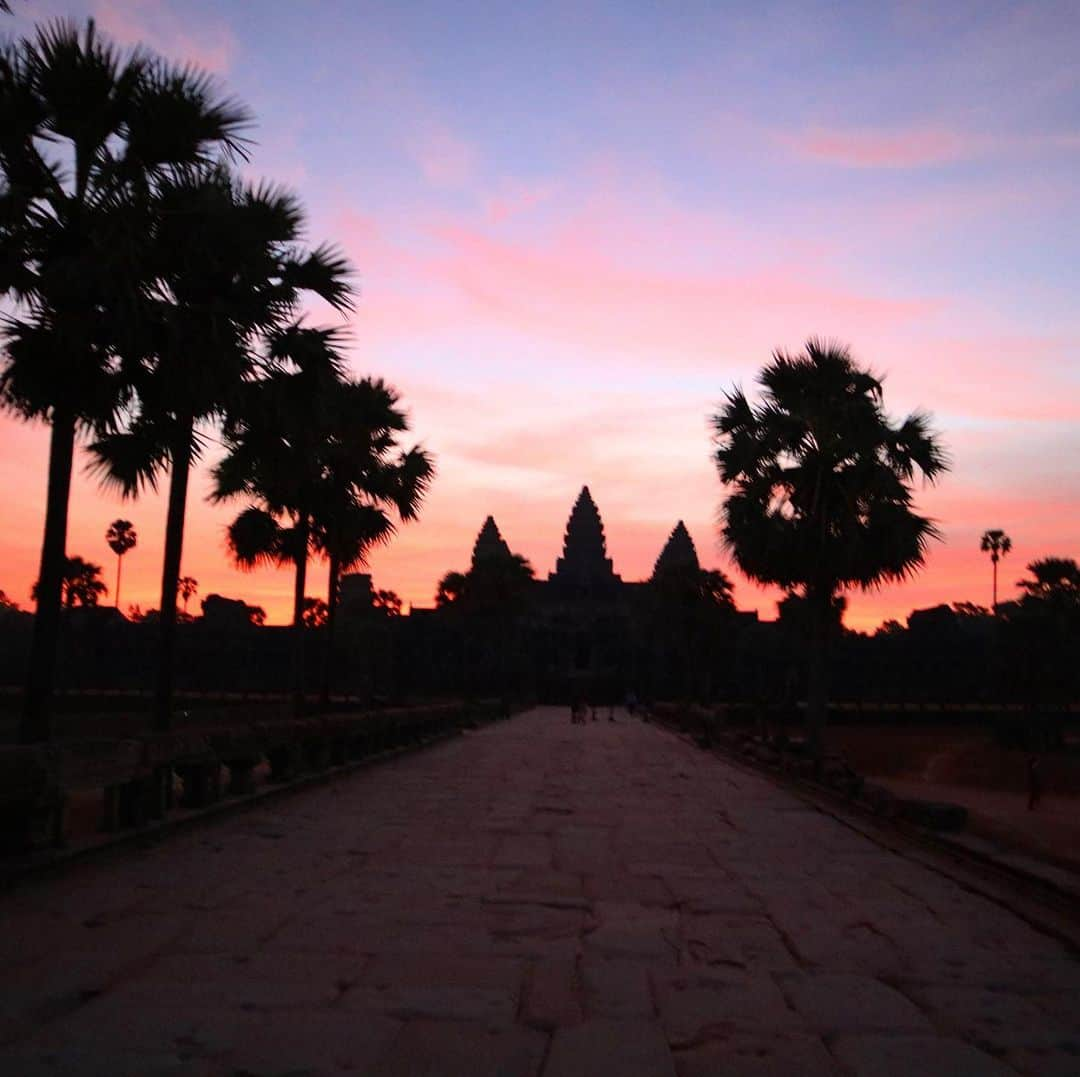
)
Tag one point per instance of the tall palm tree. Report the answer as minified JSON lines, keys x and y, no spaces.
{"x":88,"y":133}
{"x":997,"y":544}
{"x":121,"y":538}
{"x":227,"y":271}
{"x":821,"y":488}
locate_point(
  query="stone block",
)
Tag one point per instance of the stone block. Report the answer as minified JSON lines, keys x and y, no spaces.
{"x":618,"y":989}
{"x":553,"y":996}
{"x":454,"y":1049}
{"x":904,"y":1056}
{"x":694,"y":1006}
{"x":626,"y":1048}
{"x":758,"y":1054}
{"x":844,"y":1003}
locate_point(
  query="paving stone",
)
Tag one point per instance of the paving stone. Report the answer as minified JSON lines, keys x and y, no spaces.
{"x":709,"y":892}
{"x":440,"y":987}
{"x":756,"y":1054}
{"x":623,"y":929}
{"x":751,"y":942}
{"x":615,"y":988}
{"x":312,"y":1043}
{"x":904,"y":1056}
{"x":626,"y":1048}
{"x":1044,"y":1061}
{"x":445,"y":1049}
{"x":443,"y":912}
{"x":553,"y":994}
{"x":695,"y":1006}
{"x":524,"y":850}
{"x":998,"y":1020}
{"x":102,"y":1062}
{"x":835,"y":1002}
{"x":618,"y":883}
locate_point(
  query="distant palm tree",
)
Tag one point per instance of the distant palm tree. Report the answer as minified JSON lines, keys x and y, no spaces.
{"x":121,"y":537}
{"x":997,"y":544}
{"x":81,"y":585}
{"x":451,"y":589}
{"x":821,"y":489}
{"x":388,"y":603}
{"x":1055,"y":580}
{"x":315,"y":613}
{"x":188,"y":587}
{"x":89,"y":132}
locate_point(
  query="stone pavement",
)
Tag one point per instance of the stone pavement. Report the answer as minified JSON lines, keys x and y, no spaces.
{"x":532,"y":898}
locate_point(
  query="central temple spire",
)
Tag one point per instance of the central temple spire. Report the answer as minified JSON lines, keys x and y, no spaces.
{"x":584,"y":567}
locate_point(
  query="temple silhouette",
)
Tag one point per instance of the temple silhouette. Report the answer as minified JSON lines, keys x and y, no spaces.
{"x":583,"y":631}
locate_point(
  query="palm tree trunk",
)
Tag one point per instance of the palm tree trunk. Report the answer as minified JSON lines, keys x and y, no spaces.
{"x":817,"y":681}
{"x":995,"y":585}
{"x":170,"y":575}
{"x":302,"y":526}
{"x":119,"y":563}
{"x":36,"y":719}
{"x":332,"y":588}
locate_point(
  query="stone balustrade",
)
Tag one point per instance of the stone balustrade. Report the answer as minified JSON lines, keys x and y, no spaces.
{"x":136,"y":773}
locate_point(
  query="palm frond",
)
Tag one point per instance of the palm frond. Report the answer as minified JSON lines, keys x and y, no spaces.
{"x":255,"y":538}
{"x":130,"y":461}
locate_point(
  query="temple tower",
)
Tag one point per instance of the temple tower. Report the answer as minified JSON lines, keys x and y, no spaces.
{"x":490,"y":545}
{"x":678,"y":554}
{"x":584,"y":570}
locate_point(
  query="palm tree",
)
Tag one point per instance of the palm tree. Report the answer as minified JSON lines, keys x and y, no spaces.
{"x":451,"y":589}
{"x":322,"y":454}
{"x":188,"y":587}
{"x":997,"y":544}
{"x":227,"y":272}
{"x":121,"y":537}
{"x":1055,"y":581}
{"x":81,"y":583}
{"x":821,"y":488}
{"x":274,"y":440}
{"x":88,"y":134}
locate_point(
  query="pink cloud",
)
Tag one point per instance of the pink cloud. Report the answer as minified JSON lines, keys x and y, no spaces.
{"x":918,"y":147}
{"x":567,"y":288}
{"x":517,"y":198}
{"x":445,"y":159}
{"x":912,"y":148}
{"x":152,"y":23}
{"x":977,"y":375}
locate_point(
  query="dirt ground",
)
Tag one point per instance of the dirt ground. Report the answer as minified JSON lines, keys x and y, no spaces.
{"x":968,"y":767}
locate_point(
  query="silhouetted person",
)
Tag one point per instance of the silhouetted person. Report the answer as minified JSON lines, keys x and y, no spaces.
{"x":631,"y":703}
{"x":1035,"y":786}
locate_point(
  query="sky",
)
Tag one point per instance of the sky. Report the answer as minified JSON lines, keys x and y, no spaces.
{"x":576,"y":226}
